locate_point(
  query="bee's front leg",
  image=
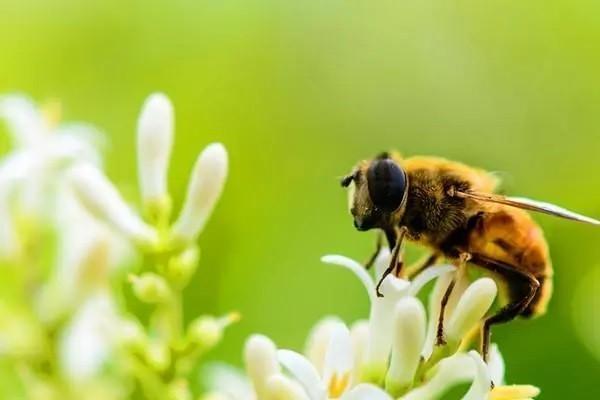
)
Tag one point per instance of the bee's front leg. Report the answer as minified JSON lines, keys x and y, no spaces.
{"x":378,"y":245}
{"x":396,"y":262}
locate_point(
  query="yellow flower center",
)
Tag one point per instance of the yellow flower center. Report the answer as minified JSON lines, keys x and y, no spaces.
{"x":338,"y":385}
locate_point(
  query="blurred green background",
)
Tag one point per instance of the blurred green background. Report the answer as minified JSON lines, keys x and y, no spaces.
{"x":299,"y":91}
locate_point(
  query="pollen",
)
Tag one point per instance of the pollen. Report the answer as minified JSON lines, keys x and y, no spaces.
{"x":514,"y":392}
{"x":338,"y":385}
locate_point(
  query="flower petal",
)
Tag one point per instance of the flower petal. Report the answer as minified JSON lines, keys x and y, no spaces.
{"x":496,"y":365}
{"x":449,"y":372}
{"x":339,"y":357}
{"x":359,"y":335}
{"x":280,"y":387}
{"x":480,"y":388}
{"x":382,"y":262}
{"x":409,"y":337}
{"x":471,"y":308}
{"x":318,"y":341}
{"x":26,"y":124}
{"x":304,"y":372}
{"x":204,"y":189}
{"x":435,"y":299}
{"x":87,"y":341}
{"x":364,"y":391}
{"x":359,"y":270}
{"x":103,"y":200}
{"x":429,"y":274}
{"x":381,"y":328}
{"x":260,"y":355}
{"x":226,"y":380}
{"x":154,"y":144}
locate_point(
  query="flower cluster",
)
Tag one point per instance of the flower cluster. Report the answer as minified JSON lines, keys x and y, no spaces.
{"x":393,"y":354}
{"x":65,"y":329}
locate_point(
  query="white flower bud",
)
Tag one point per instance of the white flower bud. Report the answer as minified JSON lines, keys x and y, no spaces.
{"x":471,"y":308}
{"x":409,"y":338}
{"x":260,"y":356}
{"x":181,"y":268}
{"x":150,"y":288}
{"x":154,"y":144}
{"x":204,"y":189}
{"x":102,"y":199}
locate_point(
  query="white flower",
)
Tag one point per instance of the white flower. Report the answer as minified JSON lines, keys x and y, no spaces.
{"x":87,"y":341}
{"x":380,"y":323}
{"x":30,"y":174}
{"x":103,"y":200}
{"x":155,"y":137}
{"x":383,"y":358}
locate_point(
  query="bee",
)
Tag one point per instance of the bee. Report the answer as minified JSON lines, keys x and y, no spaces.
{"x":453,"y":210}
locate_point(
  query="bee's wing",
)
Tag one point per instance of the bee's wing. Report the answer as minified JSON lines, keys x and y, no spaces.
{"x":528,"y":204}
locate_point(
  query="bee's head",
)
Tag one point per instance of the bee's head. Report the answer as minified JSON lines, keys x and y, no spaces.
{"x":377,"y":192}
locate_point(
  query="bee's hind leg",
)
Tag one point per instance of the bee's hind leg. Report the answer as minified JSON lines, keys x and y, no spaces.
{"x":462,"y":262}
{"x":519,"y":303}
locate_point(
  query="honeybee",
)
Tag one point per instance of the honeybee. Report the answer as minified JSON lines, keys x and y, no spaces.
{"x":452,"y":209}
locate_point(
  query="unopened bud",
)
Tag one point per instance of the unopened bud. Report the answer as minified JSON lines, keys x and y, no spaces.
{"x":181,"y":268}
{"x":150,"y":288}
{"x":471,"y":308}
{"x":179,"y":390}
{"x":131,"y":335}
{"x":158,"y":356}
{"x":207,"y":331}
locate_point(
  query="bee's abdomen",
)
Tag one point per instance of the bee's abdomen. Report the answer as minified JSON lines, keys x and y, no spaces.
{"x":511,"y":236}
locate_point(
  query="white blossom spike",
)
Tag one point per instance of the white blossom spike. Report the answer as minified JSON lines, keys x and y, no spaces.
{"x":103,"y":200}
{"x":409,"y":337}
{"x":471,"y":308}
{"x":204,"y":189}
{"x":260,"y":356}
{"x":154,"y":145}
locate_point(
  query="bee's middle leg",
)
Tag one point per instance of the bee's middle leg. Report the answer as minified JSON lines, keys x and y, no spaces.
{"x":462,"y":262}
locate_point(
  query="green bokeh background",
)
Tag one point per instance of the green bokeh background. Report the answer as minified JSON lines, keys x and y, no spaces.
{"x":299,"y":91}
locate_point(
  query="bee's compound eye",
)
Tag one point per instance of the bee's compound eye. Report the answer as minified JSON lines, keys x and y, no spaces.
{"x":387,"y":183}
